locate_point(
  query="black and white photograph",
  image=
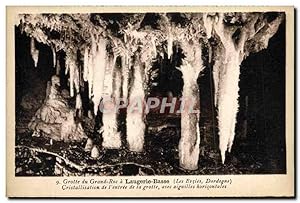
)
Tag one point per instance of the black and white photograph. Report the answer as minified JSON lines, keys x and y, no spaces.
{"x":105,"y":94}
{"x":101,"y":94}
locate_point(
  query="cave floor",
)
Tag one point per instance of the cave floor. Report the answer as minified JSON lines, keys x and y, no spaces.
{"x":35,"y":156}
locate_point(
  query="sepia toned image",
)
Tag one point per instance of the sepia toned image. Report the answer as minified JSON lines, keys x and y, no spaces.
{"x":156,"y":94}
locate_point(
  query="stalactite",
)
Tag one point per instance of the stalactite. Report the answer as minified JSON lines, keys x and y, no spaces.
{"x":53,"y":55}
{"x":208,"y":24}
{"x":226,"y":76}
{"x":117,"y":85}
{"x":34,"y":52}
{"x":99,"y":72}
{"x":71,"y":68}
{"x":86,"y":64}
{"x":217,"y":66}
{"x":76,"y":80}
{"x":91,"y":65}
{"x":170,"y":46}
{"x":80,"y":77}
{"x":58,"y":68}
{"x":90,"y":70}
{"x":108,"y":77}
{"x":232,"y":44}
{"x":228,"y":103}
{"x":71,"y":79}
{"x":125,"y":73}
{"x":154,"y":47}
{"x":125,"y":38}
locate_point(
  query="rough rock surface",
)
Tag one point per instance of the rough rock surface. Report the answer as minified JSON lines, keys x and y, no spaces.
{"x":30,"y":101}
{"x":55,"y":118}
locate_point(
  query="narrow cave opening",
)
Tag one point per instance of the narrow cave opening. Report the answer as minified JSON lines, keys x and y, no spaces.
{"x":261,"y":119}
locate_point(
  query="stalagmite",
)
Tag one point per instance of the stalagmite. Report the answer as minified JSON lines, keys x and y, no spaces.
{"x":55,"y":118}
{"x":95,"y":153}
{"x":135,"y":118}
{"x":142,"y":59}
{"x":34,"y":52}
{"x":189,"y":144}
{"x":111,"y":136}
{"x":89,"y":145}
{"x":78,"y":102}
{"x":70,"y":130}
{"x":78,"y":105}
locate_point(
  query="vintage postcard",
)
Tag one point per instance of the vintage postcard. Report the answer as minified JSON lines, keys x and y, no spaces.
{"x":150,"y":102}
